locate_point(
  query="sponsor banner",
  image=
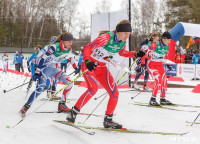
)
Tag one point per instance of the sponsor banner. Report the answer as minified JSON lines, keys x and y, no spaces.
{"x":170,"y":69}
{"x":186,"y":70}
{"x":198,"y":71}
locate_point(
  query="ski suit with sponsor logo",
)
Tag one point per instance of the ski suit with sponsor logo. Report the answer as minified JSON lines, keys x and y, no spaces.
{"x":49,"y":64}
{"x":156,"y":54}
{"x":105,"y":45}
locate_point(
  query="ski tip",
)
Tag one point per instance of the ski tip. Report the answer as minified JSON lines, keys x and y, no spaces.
{"x":123,"y":128}
{"x":187,"y":125}
{"x":57,"y":121}
{"x":61,"y":121}
{"x":92,"y":133}
{"x":184,"y":133}
{"x":70,"y":123}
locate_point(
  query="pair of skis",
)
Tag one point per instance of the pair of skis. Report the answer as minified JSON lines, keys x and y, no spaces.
{"x":96,"y":115}
{"x":124,"y":130}
{"x":169,"y":107}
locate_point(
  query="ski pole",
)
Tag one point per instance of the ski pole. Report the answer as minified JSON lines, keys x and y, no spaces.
{"x":50,"y":98}
{"x":195,"y":119}
{"x":14,"y":88}
{"x":28,"y":88}
{"x":94,"y":109}
{"x":23,"y":83}
{"x":71,"y":73}
{"x":119,"y":80}
{"x":126,"y":72}
{"x":71,"y":82}
{"x":142,"y":90}
{"x":107,"y":92}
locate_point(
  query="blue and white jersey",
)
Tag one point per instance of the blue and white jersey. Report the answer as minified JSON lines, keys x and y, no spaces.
{"x":53,"y":55}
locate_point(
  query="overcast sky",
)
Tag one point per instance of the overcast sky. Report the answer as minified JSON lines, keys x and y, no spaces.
{"x":88,"y":6}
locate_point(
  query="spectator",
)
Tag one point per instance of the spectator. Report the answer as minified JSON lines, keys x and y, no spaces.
{"x":15,"y":62}
{"x":188,"y":58}
{"x":190,"y":54}
{"x":5,"y":62}
{"x":199,"y":56}
{"x":64,"y":64}
{"x":195,"y":58}
{"x":19,"y":61}
{"x":180,"y":55}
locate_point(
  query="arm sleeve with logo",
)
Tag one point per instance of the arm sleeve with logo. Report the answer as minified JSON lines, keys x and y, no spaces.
{"x":123,"y":52}
{"x":49,"y":52}
{"x":151,"y":48}
{"x":99,"y":41}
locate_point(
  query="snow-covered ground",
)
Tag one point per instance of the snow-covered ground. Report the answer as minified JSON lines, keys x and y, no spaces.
{"x":39,"y":128}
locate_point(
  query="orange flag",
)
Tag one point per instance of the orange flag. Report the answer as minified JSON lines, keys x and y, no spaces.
{"x":192,"y":41}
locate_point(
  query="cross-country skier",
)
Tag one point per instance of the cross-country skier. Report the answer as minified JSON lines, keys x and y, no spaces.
{"x":153,"y":37}
{"x":157,"y":53}
{"x":49,"y":67}
{"x":106,"y":45}
{"x":32,"y":64}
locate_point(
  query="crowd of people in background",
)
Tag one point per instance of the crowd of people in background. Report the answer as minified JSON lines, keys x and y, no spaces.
{"x":190,"y":57}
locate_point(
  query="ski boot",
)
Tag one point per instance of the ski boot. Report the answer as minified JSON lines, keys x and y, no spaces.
{"x":135,"y":87}
{"x":62,"y":107}
{"x":109,"y":123}
{"x":55,"y":98}
{"x":163,"y":101}
{"x":72,"y":114}
{"x":145,"y":88}
{"x":52,"y":96}
{"x":153,"y":102}
{"x":24,"y":109}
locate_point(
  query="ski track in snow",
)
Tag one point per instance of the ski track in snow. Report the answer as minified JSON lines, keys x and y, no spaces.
{"x":39,"y":128}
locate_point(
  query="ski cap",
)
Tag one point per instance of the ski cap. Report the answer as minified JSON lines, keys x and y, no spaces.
{"x":67,"y":37}
{"x":123,"y":28}
{"x":166,"y":35}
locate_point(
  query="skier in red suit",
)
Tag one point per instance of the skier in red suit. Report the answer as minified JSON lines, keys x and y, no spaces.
{"x":106,"y":45}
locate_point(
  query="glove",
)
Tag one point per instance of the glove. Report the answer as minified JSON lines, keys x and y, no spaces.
{"x":36,"y":75}
{"x":144,"y":48}
{"x":90,"y":65}
{"x":139,"y":54}
{"x":37,"y":71}
{"x":77,"y":70}
{"x":150,"y":39}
